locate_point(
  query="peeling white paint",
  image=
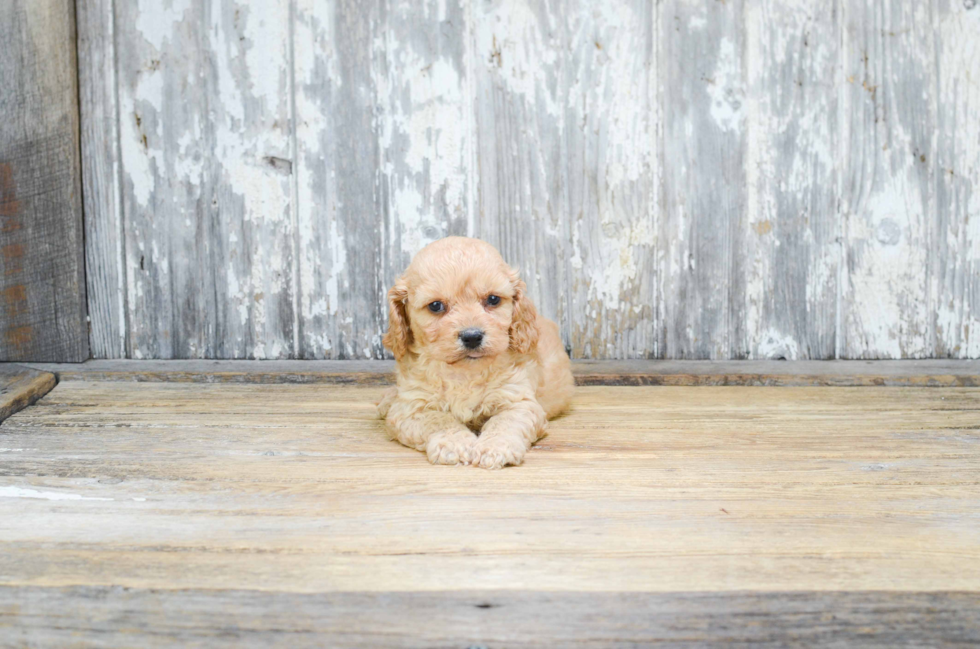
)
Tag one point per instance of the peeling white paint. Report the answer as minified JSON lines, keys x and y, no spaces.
{"x":157,"y":18}
{"x":726,"y":89}
{"x":423,"y":129}
{"x":19,"y":492}
{"x":774,"y":345}
{"x":513,"y":43}
{"x":539,"y":126}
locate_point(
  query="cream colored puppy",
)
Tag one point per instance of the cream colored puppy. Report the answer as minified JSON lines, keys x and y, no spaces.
{"x":479,"y":372}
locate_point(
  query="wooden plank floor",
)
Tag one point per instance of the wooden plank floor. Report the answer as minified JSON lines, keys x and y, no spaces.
{"x":158,"y":513}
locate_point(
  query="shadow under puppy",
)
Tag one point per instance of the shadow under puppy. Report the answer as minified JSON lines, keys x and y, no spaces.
{"x":479,"y":371}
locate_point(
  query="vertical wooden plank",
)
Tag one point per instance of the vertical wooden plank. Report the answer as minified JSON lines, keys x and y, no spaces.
{"x":956,"y":247}
{"x":426,"y":127}
{"x":104,"y":235}
{"x":42,"y":284}
{"x":252,"y":166}
{"x":785,"y":243}
{"x":888,"y":159}
{"x":704,"y":92}
{"x":338,"y":55}
{"x":207,"y":162}
{"x":165,"y":137}
{"x":611,"y":129}
{"x":519,"y":60}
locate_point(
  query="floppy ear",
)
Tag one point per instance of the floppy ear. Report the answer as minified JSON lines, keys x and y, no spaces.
{"x":523,"y":325}
{"x":399,"y":336}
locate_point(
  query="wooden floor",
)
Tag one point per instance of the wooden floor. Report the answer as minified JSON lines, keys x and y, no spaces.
{"x":144,"y":514}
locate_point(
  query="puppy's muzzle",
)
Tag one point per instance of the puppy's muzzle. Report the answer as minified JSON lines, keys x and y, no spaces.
{"x":471,"y":338}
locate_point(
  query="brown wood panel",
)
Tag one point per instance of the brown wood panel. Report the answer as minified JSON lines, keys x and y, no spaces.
{"x":21,"y":386}
{"x":107,"y":616}
{"x":648,"y":489}
{"x":42,"y":285}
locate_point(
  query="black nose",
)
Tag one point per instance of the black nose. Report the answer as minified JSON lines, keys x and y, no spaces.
{"x":471,"y":337}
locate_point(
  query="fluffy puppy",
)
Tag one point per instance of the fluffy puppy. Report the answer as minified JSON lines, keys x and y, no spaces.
{"x":479,"y":371}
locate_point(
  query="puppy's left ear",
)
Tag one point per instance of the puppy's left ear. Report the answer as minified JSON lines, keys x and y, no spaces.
{"x":524,"y":324}
{"x":399,"y":336}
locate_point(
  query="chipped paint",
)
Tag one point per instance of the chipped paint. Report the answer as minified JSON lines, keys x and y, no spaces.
{"x":20,"y":492}
{"x":725,"y":89}
{"x":672,"y":179}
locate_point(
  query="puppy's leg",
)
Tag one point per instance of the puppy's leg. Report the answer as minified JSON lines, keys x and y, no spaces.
{"x":508,"y":435}
{"x":386,"y":400}
{"x":443,"y":438}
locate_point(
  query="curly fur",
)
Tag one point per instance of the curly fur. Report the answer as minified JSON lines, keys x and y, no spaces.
{"x":484,"y":406}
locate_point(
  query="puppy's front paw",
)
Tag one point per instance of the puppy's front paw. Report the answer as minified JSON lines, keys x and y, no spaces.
{"x":450,"y":447}
{"x":497,"y":452}
{"x":384,"y":405}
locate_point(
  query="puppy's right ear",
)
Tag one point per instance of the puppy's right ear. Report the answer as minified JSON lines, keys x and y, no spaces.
{"x":399,"y":336}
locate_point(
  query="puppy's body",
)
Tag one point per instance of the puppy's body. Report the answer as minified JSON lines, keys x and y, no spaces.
{"x":451,"y":390}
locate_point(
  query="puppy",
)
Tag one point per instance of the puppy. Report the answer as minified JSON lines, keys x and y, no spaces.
{"x":479,"y":371}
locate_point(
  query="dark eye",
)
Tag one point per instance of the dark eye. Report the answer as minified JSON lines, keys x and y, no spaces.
{"x":493,"y":300}
{"x":437,"y":307}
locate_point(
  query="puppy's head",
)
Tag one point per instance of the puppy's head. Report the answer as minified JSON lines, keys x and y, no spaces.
{"x":459,"y":302}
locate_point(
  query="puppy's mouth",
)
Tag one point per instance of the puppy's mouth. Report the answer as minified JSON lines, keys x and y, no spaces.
{"x":470,"y":355}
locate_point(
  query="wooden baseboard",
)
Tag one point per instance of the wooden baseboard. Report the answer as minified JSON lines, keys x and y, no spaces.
{"x":919,"y":373}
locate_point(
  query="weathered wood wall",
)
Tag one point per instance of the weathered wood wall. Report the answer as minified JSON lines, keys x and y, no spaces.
{"x":675,"y":178}
{"x":42,"y":286}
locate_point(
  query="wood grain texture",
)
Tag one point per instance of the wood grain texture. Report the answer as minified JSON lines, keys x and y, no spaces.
{"x":205,"y":123}
{"x":111,"y":616}
{"x":923,"y":373}
{"x":519,"y":58}
{"x":888,"y":192}
{"x":339,"y":54}
{"x":676,"y":179}
{"x":21,"y":387}
{"x":426,"y":128}
{"x":296,"y":488}
{"x":785,"y":247}
{"x":42,"y":289}
{"x":106,"y":276}
{"x":955,"y":254}
{"x":170,"y":513}
{"x":704,"y":93}
{"x":611,"y":128}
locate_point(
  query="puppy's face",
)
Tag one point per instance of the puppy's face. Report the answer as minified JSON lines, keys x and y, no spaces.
{"x":464,"y":314}
{"x":459,"y":302}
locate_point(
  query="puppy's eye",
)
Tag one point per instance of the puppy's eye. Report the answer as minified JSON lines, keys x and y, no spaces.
{"x":437,"y":307}
{"x":493,"y":300}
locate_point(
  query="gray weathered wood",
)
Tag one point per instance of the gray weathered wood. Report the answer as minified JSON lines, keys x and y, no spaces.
{"x":518,"y":60}
{"x":786,"y":254}
{"x":22,"y":386}
{"x":206,"y":154}
{"x":675,"y":179}
{"x":887,"y":196}
{"x":105,"y":255}
{"x":426,"y":127}
{"x":339,"y":55}
{"x":611,"y":146}
{"x":955,"y":249}
{"x":704,"y":95}
{"x":42,"y":289}
{"x":118,"y":617}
